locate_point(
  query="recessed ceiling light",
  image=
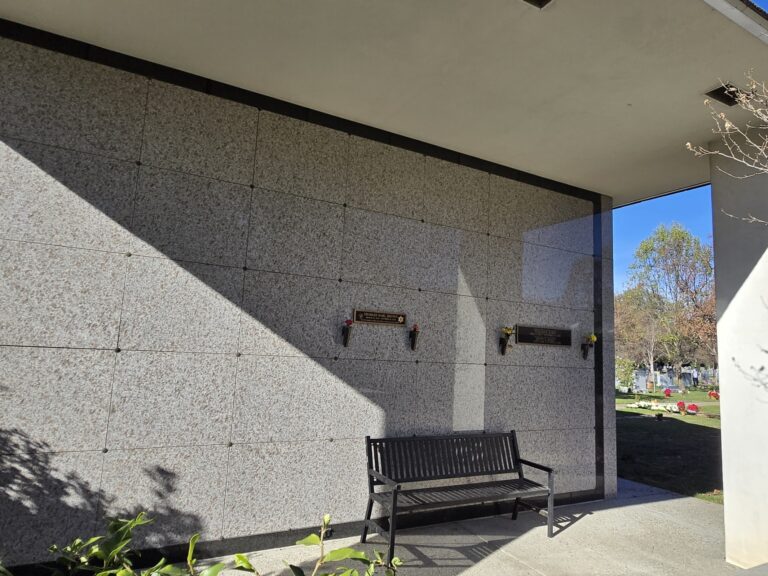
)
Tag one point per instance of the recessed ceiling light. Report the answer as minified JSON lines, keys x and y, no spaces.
{"x":538,"y":3}
{"x":725,"y":94}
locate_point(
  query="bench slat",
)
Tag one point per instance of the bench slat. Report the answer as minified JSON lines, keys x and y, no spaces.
{"x":464,"y":494}
{"x":414,"y":459}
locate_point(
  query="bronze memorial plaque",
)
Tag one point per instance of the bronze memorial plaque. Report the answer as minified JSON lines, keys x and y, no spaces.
{"x":546,"y":336}
{"x":372,"y":317}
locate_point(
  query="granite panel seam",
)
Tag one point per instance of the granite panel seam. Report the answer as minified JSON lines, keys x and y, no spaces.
{"x":5,"y":345}
{"x":67,"y":246}
{"x":111,"y":399}
{"x":94,"y":451}
{"x":528,"y":302}
{"x":4,"y":135}
{"x":528,"y":242}
{"x":312,"y":357}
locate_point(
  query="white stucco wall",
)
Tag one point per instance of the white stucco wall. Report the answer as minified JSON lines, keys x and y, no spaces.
{"x":741,"y":277}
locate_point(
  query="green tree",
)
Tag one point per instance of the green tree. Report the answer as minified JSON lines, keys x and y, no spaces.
{"x":638,"y":328}
{"x":625,"y":372}
{"x":672,"y":279}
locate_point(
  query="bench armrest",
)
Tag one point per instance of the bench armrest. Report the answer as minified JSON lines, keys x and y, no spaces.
{"x":546,"y":469}
{"x":381,"y":478}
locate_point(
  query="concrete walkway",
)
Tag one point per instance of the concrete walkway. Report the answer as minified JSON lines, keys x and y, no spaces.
{"x":643,"y":531}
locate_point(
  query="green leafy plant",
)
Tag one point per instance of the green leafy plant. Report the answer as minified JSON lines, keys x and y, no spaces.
{"x":111,"y":555}
{"x":100,"y":555}
{"x":371,"y":565}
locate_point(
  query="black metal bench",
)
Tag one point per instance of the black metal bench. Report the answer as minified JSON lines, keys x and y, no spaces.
{"x":396,"y":461}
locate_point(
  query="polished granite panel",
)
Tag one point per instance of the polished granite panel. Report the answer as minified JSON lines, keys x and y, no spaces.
{"x":286,"y":315}
{"x":199,"y":134}
{"x":383,"y":249}
{"x":384,"y":178}
{"x":571,"y":454}
{"x":301,"y":158}
{"x":405,"y":403}
{"x":191,"y":218}
{"x":455,"y":261}
{"x":501,"y":314}
{"x":524,"y":398}
{"x":455,"y":195}
{"x":40,"y":378}
{"x":609,"y":385}
{"x":530,"y":214}
{"x":295,"y":235}
{"x":160,"y":399}
{"x":325,"y":478}
{"x":53,"y":296}
{"x":539,"y":274}
{"x":609,"y":455}
{"x":56,"y":196}
{"x":452,"y":328}
{"x":293,"y":399}
{"x":606,"y":223}
{"x":460,"y":390}
{"x":63,"y":101}
{"x":609,"y":347}
{"x":182,"y":307}
{"x":45,"y":498}
{"x":181,"y":488}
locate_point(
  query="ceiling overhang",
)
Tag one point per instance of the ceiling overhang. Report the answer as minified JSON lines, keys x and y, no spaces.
{"x":598,"y":94}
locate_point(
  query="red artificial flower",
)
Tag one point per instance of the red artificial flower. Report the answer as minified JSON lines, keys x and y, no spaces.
{"x":667,"y":392}
{"x":348,"y":322}
{"x":693,"y":408}
{"x":681,"y":407}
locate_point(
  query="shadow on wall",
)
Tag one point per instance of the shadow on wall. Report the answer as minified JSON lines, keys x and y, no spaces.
{"x":756,"y":374}
{"x":53,"y":508}
{"x":99,"y":239}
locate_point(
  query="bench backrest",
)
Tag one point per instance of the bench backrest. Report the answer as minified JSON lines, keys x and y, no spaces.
{"x":417,"y":458}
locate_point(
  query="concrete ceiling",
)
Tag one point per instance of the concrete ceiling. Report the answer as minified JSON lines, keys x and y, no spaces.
{"x":601,"y":94}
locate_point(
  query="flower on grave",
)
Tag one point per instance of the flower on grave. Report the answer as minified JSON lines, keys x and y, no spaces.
{"x":348,"y":322}
{"x":692,"y":409}
{"x":681,"y":407}
{"x":507,"y":331}
{"x":591,"y":339}
{"x":667,"y":392}
{"x":714,"y":394}
{"x":415,"y":328}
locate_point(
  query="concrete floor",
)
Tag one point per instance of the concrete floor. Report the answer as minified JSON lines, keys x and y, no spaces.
{"x":643,"y":531}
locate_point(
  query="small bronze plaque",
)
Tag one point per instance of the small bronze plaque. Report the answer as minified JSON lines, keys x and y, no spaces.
{"x":386,"y":318}
{"x":546,"y":336}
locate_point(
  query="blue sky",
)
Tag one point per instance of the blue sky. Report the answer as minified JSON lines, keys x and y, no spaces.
{"x":632,"y":224}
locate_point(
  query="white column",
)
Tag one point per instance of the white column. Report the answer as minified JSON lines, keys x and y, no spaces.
{"x":741,"y":281}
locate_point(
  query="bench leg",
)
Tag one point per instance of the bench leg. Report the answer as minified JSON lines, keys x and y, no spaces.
{"x":392,"y":527}
{"x":368,"y":510}
{"x":514,"y":508}
{"x":551,"y":513}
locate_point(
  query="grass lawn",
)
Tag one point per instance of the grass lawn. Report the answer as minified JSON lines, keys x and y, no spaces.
{"x":677,"y":453}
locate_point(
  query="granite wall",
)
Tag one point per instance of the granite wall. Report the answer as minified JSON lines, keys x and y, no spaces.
{"x":175,"y":271}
